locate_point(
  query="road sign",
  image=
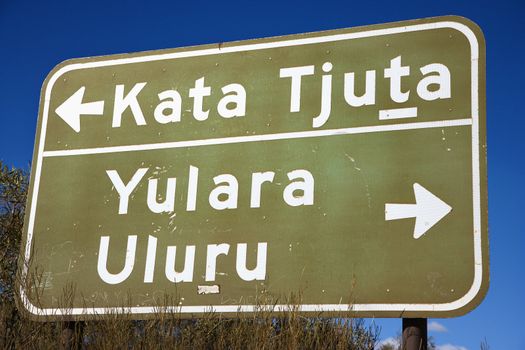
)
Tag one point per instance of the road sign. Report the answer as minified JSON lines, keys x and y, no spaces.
{"x":346,"y":166}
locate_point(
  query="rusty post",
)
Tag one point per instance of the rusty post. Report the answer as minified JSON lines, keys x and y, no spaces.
{"x":415,"y":335}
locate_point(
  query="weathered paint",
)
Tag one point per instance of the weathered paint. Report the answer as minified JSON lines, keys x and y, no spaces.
{"x":335,"y":249}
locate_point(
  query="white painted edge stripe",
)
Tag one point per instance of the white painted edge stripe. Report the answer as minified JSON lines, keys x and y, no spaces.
{"x":478,"y":272}
{"x":257,"y":138}
{"x":398,"y":113}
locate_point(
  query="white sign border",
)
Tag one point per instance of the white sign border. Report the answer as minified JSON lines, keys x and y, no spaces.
{"x":401,"y":308}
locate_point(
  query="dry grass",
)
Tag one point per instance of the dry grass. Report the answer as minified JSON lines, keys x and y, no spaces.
{"x":264,"y":329}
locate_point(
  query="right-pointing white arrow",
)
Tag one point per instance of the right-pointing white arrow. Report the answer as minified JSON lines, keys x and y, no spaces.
{"x":71,"y":109}
{"x":428,"y":210}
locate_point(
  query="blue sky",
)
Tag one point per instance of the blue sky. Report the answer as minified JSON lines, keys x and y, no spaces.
{"x":35,"y":36}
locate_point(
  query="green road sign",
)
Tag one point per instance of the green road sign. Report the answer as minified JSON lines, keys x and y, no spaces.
{"x":347,"y":167}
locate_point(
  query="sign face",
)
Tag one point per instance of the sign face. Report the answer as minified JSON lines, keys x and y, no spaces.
{"x":347,"y":167}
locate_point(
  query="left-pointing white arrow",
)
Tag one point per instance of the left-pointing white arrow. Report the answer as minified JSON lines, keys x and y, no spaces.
{"x":428,"y":210}
{"x":71,"y":109}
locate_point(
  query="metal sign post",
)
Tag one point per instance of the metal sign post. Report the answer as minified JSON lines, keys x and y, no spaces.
{"x":347,"y":166}
{"x":415,"y":335}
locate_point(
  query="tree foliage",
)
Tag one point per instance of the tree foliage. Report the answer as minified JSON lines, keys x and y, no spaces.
{"x":13,"y":194}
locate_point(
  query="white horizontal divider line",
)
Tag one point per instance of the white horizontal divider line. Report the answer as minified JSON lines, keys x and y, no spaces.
{"x":257,"y":138}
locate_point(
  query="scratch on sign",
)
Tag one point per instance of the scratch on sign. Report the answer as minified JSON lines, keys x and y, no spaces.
{"x":208,"y":289}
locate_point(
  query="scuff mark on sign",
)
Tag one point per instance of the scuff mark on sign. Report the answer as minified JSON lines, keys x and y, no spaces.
{"x":208,"y":289}
{"x":365,"y":181}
